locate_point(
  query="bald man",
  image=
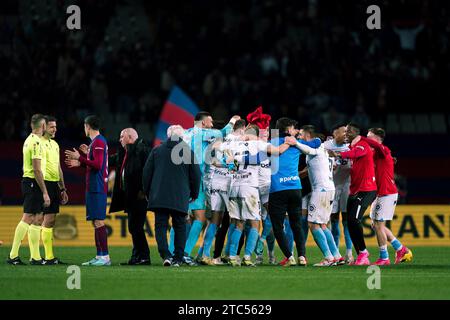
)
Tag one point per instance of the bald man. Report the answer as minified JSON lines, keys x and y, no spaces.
{"x":128,"y":192}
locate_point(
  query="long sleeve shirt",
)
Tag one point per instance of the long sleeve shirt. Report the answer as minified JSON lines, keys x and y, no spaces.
{"x":362,"y":175}
{"x":384,"y":168}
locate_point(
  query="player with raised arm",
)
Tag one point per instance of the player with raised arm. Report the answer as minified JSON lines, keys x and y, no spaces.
{"x":320,"y":172}
{"x":244,"y":194}
{"x":219,"y":192}
{"x":35,"y":194}
{"x":262,"y":120}
{"x":199,"y":139}
{"x":383,"y":207}
{"x":363,"y":188}
{"x":341,"y":179}
{"x":95,"y":159}
{"x":286,"y":192}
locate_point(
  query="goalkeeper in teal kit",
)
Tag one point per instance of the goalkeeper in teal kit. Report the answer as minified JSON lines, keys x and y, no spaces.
{"x":199,"y":139}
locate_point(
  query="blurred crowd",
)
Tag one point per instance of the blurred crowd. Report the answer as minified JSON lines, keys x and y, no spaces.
{"x":313,"y":60}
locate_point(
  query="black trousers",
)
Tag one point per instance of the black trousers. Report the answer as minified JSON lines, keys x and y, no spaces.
{"x":161,"y":227}
{"x":357,"y":204}
{"x":289,"y":201}
{"x":137,"y":214}
{"x":221,"y":234}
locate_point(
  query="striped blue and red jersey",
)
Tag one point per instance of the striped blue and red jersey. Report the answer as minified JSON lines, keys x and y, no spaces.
{"x":96,"y":165}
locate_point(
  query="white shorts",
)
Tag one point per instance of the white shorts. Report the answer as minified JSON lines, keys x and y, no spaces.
{"x":305,"y":201}
{"x":245,"y":203}
{"x":264,"y":192}
{"x":340,"y":198}
{"x":383,"y":208}
{"x":219,"y":199}
{"x":320,"y":205}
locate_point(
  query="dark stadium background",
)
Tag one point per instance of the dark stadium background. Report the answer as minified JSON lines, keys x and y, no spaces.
{"x":313,"y":60}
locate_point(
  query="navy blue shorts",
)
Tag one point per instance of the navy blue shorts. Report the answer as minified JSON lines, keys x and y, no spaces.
{"x":95,"y":206}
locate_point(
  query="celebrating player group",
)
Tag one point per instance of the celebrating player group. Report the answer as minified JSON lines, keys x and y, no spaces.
{"x":251,"y":182}
{"x":250,"y":193}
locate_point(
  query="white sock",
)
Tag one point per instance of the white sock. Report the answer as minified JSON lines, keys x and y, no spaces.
{"x":363,"y":251}
{"x":247,"y":257}
{"x":349,"y":253}
{"x":106,"y":258}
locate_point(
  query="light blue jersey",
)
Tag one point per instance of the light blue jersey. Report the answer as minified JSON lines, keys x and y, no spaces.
{"x":285,"y":167}
{"x":200,"y":140}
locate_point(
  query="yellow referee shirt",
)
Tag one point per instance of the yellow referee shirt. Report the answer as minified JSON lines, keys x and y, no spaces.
{"x":52,"y":160}
{"x":33,"y":148}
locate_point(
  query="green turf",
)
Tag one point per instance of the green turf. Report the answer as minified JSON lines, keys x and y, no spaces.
{"x":428,"y":277}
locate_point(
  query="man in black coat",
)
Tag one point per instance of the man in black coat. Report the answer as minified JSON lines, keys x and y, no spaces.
{"x":171,"y":179}
{"x":128,"y":194}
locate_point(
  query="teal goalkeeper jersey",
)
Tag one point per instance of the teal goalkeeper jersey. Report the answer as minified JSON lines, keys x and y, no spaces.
{"x":200,"y":139}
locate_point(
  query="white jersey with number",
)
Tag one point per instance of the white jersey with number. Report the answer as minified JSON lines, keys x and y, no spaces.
{"x":320,"y":170}
{"x":247,"y":173}
{"x":341,"y":174}
{"x":223,"y":150}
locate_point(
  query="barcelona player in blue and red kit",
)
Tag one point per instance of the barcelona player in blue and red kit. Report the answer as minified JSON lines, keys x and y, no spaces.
{"x":95,"y":159}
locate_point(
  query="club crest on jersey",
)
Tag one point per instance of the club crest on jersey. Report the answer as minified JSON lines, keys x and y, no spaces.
{"x":312,"y":207}
{"x":378,"y":207}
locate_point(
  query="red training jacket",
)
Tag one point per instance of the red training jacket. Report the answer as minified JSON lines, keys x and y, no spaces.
{"x":362,"y":174}
{"x":384,"y":168}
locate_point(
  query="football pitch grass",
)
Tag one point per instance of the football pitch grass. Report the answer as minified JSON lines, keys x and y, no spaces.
{"x":427,"y":277}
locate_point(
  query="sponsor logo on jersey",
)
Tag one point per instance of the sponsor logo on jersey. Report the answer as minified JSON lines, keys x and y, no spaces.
{"x":287,"y":179}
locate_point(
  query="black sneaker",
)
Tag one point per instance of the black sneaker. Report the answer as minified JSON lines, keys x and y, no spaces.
{"x":36,"y":262}
{"x":143,"y":262}
{"x":15,"y":262}
{"x":176,"y":264}
{"x":167,"y":262}
{"x":52,"y":262}
{"x":130,"y":262}
{"x":189,"y":261}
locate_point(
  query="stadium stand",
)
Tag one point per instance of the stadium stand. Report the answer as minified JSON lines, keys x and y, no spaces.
{"x":298,"y":59}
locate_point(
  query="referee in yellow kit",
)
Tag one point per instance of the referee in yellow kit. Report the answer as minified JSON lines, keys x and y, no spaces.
{"x":54,"y":181}
{"x":35,"y":195}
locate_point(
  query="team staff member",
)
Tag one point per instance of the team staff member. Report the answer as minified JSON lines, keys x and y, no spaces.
{"x":128,"y":194}
{"x":363,"y":188}
{"x":35,"y":195}
{"x":171,"y":179}
{"x":96,"y":163}
{"x":54,"y":181}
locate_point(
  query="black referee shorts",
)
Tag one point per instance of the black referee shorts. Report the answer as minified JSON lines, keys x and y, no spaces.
{"x":33,"y":201}
{"x":358,"y":203}
{"x":53,"y":193}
